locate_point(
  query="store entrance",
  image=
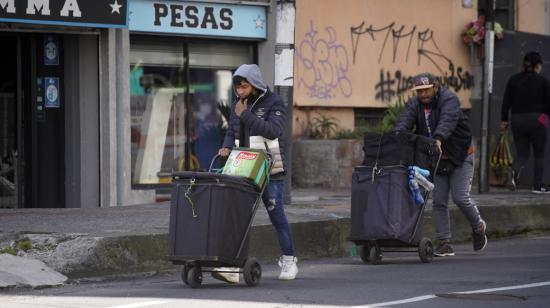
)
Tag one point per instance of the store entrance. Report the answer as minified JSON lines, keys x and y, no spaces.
{"x":31,"y":121}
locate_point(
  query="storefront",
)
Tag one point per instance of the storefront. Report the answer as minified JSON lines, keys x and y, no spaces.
{"x":50,"y":100}
{"x":182,"y":56}
{"x":101,"y":100}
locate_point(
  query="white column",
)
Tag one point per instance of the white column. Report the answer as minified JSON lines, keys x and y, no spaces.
{"x":125,"y":194}
{"x":107,"y":118}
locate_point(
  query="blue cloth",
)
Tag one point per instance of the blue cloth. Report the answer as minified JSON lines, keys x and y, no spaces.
{"x":273,"y":195}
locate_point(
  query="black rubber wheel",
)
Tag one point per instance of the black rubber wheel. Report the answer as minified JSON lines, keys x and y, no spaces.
{"x":184,"y":272}
{"x":364,"y":251}
{"x":194,"y":277}
{"x":426,"y":250}
{"x":375,"y":255}
{"x":252,"y":272}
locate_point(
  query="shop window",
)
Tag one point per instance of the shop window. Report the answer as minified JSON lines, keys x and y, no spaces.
{"x":178,"y":106}
{"x":504,"y":12}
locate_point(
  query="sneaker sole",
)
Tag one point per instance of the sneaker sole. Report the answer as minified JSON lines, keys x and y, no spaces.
{"x":220,"y":277}
{"x":447,"y":254}
{"x":485,"y":245}
{"x":538,"y":192}
{"x":486,"y":239}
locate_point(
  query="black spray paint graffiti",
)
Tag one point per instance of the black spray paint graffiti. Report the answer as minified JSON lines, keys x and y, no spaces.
{"x":426,"y":48}
{"x":322,"y":65}
{"x":397,"y":84}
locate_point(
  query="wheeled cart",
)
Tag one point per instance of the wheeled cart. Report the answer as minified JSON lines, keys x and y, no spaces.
{"x":384,"y":217}
{"x":211,"y":216}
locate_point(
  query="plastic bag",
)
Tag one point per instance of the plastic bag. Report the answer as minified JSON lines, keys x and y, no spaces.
{"x":502,"y":156}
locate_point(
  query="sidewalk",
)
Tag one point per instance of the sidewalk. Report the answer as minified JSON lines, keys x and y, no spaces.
{"x":86,"y":243}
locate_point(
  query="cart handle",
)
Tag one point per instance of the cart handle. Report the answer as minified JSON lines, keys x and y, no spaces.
{"x":437,"y":164}
{"x":212,"y":162}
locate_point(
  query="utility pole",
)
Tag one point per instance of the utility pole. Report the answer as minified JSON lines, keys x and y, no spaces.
{"x":487,"y":91}
{"x":284,"y":72}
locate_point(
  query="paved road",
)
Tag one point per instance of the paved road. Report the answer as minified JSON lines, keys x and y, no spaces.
{"x":510,"y":273}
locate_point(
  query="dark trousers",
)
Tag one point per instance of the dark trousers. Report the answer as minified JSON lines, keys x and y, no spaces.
{"x":273,"y":195}
{"x":529,"y":132}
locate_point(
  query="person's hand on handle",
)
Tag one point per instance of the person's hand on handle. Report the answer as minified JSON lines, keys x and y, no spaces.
{"x":224,"y":152}
{"x":438,"y":145}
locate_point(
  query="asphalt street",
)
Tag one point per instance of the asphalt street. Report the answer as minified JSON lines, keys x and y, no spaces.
{"x":509,"y":273}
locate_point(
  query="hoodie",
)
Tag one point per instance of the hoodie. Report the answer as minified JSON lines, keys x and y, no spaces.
{"x":265,"y":116}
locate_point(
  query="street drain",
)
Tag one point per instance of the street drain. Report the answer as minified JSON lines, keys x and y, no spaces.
{"x":484,"y":296}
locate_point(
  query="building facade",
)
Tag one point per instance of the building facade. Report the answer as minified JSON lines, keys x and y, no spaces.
{"x":353,"y":68}
{"x":102,"y":100}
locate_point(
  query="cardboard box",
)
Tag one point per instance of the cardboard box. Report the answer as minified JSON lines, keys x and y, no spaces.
{"x":248,"y":163}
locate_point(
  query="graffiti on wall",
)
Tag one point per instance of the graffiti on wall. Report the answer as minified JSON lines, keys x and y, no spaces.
{"x":329,"y":64}
{"x":401,"y":42}
{"x":391,"y":85}
{"x":323,"y":64}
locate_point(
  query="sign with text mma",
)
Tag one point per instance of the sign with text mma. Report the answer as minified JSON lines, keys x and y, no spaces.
{"x":81,"y":13}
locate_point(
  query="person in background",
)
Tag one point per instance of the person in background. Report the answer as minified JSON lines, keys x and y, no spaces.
{"x":260,"y":112}
{"x":435,"y":112}
{"x":527,"y":98}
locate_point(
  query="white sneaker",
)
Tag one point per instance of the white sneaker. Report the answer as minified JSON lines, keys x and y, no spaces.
{"x":220,"y":273}
{"x":540,"y":190}
{"x":289,"y":270}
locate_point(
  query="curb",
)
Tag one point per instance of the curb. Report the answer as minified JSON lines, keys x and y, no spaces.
{"x":130,"y":255}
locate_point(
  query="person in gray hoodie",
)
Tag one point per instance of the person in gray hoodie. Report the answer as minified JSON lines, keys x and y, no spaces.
{"x":259,"y":112}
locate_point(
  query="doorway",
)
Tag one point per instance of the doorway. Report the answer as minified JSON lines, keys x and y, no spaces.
{"x":31,"y":121}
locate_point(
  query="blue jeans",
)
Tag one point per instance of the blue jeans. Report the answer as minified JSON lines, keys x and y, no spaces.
{"x":273,"y":196}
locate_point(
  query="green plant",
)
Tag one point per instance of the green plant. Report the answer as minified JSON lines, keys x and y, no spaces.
{"x":9,"y":250}
{"x":24,"y":244}
{"x":391,"y":115}
{"x":357,"y":133}
{"x":387,"y":123}
{"x":225,"y":112}
{"x":325,"y":125}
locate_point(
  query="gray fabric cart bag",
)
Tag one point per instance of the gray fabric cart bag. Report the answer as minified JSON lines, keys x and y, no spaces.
{"x":383,"y":208}
{"x":403,"y":148}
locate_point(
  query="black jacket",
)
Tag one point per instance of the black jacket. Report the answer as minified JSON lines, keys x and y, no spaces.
{"x":447,"y":122}
{"x":526,"y":92}
{"x":265,"y":117}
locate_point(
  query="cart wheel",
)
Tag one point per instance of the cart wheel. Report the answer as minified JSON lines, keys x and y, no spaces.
{"x":252,"y":272}
{"x":426,"y":250}
{"x":184,"y":272}
{"x":375,"y":255}
{"x":194,"y":277}
{"x":364,"y":251}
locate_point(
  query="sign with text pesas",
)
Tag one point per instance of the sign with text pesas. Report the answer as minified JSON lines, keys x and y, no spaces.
{"x":81,"y":13}
{"x":201,"y":19}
